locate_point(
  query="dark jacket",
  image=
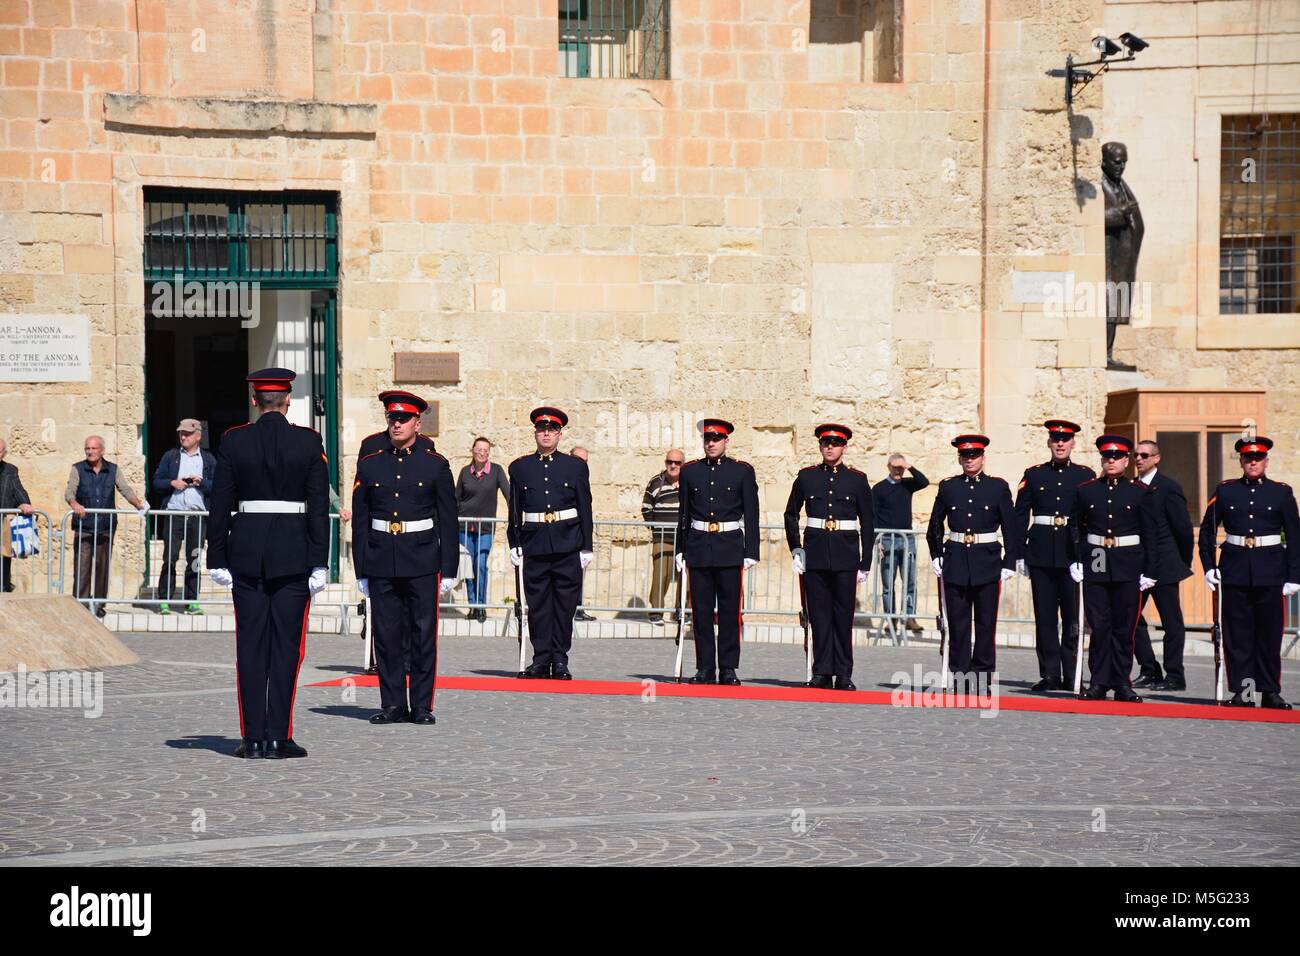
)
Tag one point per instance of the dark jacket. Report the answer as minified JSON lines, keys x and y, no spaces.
{"x":661,"y":504}
{"x":170,"y":467}
{"x":840,"y":493}
{"x":1048,"y":491}
{"x":892,"y":500}
{"x":549,"y":483}
{"x":1118,"y":507}
{"x":1250,"y":507}
{"x":722,"y":489}
{"x":12,"y":492}
{"x":269,"y":460}
{"x":404,"y":485}
{"x":979,"y":505}
{"x":1174,"y":540}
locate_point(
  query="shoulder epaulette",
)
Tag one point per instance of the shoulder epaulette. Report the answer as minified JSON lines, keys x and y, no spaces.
{"x":1090,"y":481}
{"x":234,"y":428}
{"x":518,"y":460}
{"x":996,"y":478}
{"x":951,"y":478}
{"x":810,"y":467}
{"x":369,"y":456}
{"x":854,"y":470}
{"x":741,"y":461}
{"x":693,"y":461}
{"x":437,"y":454}
{"x":306,"y":429}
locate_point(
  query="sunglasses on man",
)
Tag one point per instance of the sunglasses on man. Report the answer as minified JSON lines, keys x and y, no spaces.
{"x":1145,"y":454}
{"x":835,"y":442}
{"x":1253,"y":456}
{"x":400,"y":418}
{"x":673,"y":461}
{"x":1113,"y":455}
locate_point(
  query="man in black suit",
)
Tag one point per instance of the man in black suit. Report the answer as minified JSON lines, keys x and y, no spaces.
{"x":1173,"y":562}
{"x":405,"y":551}
{"x":272,"y":553}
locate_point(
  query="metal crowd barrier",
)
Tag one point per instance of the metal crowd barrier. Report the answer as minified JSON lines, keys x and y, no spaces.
{"x":34,"y":573}
{"x":126,"y":566}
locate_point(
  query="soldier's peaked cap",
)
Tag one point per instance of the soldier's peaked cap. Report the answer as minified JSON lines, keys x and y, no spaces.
{"x":548,"y":415}
{"x":716,"y":426}
{"x":400,"y":400}
{"x":831,"y":430}
{"x":1258,"y":445}
{"x":272,"y":380}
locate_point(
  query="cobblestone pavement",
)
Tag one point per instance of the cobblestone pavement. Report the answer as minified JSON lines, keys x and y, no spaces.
{"x":548,"y":779}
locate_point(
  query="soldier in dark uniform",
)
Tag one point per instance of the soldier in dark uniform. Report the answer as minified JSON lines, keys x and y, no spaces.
{"x":717,"y":538}
{"x":1047,"y":490}
{"x":405,"y":551}
{"x":382,"y":441}
{"x":550,"y":534}
{"x":273,"y":554}
{"x":1112,"y":554}
{"x":968,"y":557}
{"x":836,"y":552}
{"x":1257,"y":569}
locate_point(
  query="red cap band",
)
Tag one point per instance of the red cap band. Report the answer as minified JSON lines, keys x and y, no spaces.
{"x":1113,"y":446}
{"x":403,"y":407}
{"x":546,"y":418}
{"x":834,"y":434}
{"x":966,"y":445}
{"x":271,"y":387}
{"x":1254,"y":447}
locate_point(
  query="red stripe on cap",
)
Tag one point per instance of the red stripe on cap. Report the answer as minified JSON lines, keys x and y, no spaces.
{"x":969,"y":444}
{"x":547,"y":418}
{"x":835,"y":434}
{"x":1253,"y":447}
{"x":402,"y":407}
{"x":271,"y":387}
{"x":1113,"y":446}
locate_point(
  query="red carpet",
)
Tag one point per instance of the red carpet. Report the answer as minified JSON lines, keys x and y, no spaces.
{"x":1063,"y":704}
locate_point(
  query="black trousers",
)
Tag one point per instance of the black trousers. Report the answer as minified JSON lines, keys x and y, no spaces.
{"x":830,"y":617}
{"x":720,"y":589}
{"x":1056,"y":621}
{"x":184,"y":538}
{"x":1252,"y":637}
{"x":967,"y":603}
{"x":1112,"y":609}
{"x":406,"y":639}
{"x":553,"y":588}
{"x":270,"y":639}
{"x":6,"y":574}
{"x":1171,"y":617}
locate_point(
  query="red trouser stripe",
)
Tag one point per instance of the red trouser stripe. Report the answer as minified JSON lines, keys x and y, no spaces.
{"x":302,"y":650}
{"x":1132,"y":637}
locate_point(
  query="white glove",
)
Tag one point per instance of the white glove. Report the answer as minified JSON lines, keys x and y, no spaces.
{"x":1145,"y":583}
{"x":144,"y":508}
{"x":1212,"y":578}
{"x":799,"y":559}
{"x":446,"y":585}
{"x":862,"y":576}
{"x":516,"y":556}
{"x":750,"y":562}
{"x":937,"y":564}
{"x":316,"y":583}
{"x":1289,"y":589}
{"x":1076,"y":572}
{"x":679,"y":559}
{"x":1007,"y":574}
{"x":221,"y":577}
{"x":1022,"y":568}
{"x":363,"y":586}
{"x":585,"y":557}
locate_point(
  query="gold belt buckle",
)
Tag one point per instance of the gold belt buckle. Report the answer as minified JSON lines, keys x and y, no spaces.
{"x":970,"y":538}
{"x":1108,"y":542}
{"x":831,"y":524}
{"x":1250,"y":542}
{"x":394,"y":527}
{"x":713,"y":526}
{"x":550,"y":516}
{"x":1059,"y":521}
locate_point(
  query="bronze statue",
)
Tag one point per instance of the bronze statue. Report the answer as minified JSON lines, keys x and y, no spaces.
{"x":1124,"y":231}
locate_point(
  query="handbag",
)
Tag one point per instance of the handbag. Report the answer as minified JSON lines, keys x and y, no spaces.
{"x":23,"y":537}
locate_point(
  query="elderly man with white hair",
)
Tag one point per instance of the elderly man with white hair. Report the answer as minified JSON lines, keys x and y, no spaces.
{"x":93,"y":485}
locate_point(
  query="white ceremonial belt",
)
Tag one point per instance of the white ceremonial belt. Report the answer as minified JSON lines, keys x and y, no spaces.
{"x":401,"y":527}
{"x":1056,"y":521}
{"x":1122,"y":541}
{"x":538,"y":517}
{"x":273,"y":507}
{"x":834,"y":524}
{"x":971,"y":537}
{"x":1255,"y":541}
{"x":716,"y":525}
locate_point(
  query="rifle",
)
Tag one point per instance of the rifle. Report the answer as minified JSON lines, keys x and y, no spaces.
{"x":1217,"y":632}
{"x":942,"y":620}
{"x":681,"y":621}
{"x":521,"y":609}
{"x":807,"y":627}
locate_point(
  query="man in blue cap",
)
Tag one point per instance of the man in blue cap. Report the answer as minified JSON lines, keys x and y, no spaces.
{"x":404,"y":551}
{"x":273,"y":554}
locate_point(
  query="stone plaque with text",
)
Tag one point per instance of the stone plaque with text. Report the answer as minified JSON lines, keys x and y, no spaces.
{"x":426,"y":366}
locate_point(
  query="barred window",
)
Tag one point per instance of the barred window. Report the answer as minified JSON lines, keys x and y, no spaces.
{"x":614,"y":38}
{"x":1259,"y":213}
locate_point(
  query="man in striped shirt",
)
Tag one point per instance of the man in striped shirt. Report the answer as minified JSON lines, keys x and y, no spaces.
{"x":661,"y":504}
